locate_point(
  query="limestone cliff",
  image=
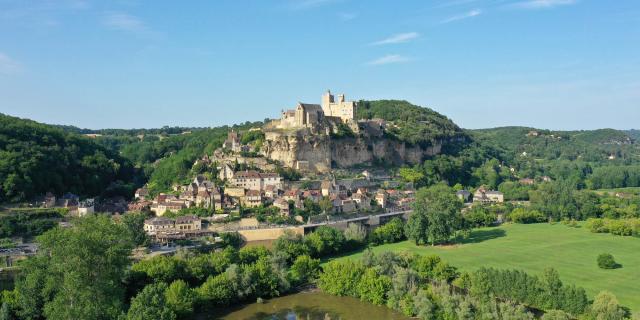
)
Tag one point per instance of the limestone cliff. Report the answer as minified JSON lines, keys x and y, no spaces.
{"x":319,"y":152}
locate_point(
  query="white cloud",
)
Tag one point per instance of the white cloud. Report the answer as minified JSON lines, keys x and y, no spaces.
{"x":470,"y":14}
{"x":541,"y":4}
{"x":306,"y":4}
{"x":346,"y":16}
{"x":397,"y":38}
{"x":124,"y":22}
{"x":8,"y":66}
{"x":388,"y":59}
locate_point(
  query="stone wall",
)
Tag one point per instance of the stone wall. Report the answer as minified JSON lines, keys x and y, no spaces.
{"x":267,"y":234}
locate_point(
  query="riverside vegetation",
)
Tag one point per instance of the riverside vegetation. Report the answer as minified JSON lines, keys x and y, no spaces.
{"x":83,"y":273}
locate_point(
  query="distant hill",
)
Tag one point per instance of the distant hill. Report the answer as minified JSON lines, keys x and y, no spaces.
{"x":36,"y":158}
{"x":588,"y":145}
{"x":634,"y":133}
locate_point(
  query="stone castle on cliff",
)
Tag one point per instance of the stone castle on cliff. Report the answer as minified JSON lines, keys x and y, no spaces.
{"x":319,"y":137}
{"x":307,"y":115}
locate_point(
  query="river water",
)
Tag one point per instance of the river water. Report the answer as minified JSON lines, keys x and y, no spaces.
{"x":308,"y":306}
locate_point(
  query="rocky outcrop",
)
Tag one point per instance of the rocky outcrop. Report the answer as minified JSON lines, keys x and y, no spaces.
{"x":319,"y":153}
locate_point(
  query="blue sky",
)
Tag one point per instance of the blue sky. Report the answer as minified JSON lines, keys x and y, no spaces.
{"x":559,"y":64}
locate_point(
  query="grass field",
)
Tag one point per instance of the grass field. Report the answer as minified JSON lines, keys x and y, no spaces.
{"x":571,"y":251}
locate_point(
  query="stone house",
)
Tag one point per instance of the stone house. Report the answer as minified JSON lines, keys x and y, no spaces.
{"x":271,"y":192}
{"x":382,"y":198}
{"x":225,"y":172}
{"x":488,"y":196}
{"x":173,"y":206}
{"x":464,"y":195}
{"x":158,"y":224}
{"x":283,"y":205}
{"x":362,"y":201}
{"x":252,"y":198}
{"x":254,"y":180}
{"x":141,"y":193}
{"x":188,"y":223}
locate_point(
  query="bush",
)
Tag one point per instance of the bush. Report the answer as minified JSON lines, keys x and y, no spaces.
{"x":606,"y":261}
{"x":620,"y":227}
{"x":521,"y":215}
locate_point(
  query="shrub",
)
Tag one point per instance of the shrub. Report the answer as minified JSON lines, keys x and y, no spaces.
{"x":521,"y":215}
{"x":606,"y":261}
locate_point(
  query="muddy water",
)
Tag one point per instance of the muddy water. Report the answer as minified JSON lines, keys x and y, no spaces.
{"x":309,"y":306}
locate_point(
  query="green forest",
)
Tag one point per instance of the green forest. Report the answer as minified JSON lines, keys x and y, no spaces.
{"x":37,"y":158}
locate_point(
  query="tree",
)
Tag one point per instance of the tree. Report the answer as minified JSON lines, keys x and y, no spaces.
{"x":373,"y":287}
{"x":325,"y":240}
{"x":416,"y":228}
{"x":341,"y":278}
{"x":78,"y":272}
{"x":413,"y":175}
{"x":606,"y":307}
{"x":134,"y":222}
{"x":553,"y":288}
{"x":326,"y":205}
{"x":161,"y":268}
{"x":438,"y":209}
{"x":606,"y":261}
{"x":217,"y":290}
{"x":291,"y":245}
{"x":304,"y":269}
{"x":555,"y":315}
{"x":180,"y":298}
{"x":150,"y":304}
{"x":356,"y":233}
{"x":391,"y":232}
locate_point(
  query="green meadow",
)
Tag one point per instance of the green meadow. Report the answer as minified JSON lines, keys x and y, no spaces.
{"x":572,"y":251}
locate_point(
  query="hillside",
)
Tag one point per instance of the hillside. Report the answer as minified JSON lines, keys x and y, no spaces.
{"x":413,"y":124}
{"x":587,"y":145}
{"x":36,"y":158}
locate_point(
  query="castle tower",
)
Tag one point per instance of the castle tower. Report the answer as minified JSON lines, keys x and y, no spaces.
{"x":327,"y":100}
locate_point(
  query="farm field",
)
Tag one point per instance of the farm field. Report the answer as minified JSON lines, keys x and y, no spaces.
{"x":533,"y":247}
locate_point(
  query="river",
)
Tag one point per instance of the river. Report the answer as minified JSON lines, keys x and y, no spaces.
{"x":307,"y":306}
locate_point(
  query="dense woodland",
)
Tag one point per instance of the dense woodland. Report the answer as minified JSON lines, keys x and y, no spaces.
{"x":37,"y":158}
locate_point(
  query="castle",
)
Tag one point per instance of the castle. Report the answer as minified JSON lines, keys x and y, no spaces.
{"x":307,"y":115}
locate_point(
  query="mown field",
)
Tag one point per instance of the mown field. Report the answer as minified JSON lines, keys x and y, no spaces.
{"x":572,"y":251}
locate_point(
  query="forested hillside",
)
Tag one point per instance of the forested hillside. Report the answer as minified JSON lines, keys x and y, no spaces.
{"x":166,"y":157}
{"x":604,"y":158}
{"x":413,"y":124}
{"x":36,"y":158}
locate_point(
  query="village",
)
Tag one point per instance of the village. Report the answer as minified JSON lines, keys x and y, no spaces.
{"x":246,"y":191}
{"x":243,"y":187}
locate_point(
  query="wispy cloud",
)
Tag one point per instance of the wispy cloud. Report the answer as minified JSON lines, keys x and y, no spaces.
{"x":9,"y":66}
{"x":306,"y":4}
{"x":466,"y":15}
{"x":397,"y":38}
{"x":347,"y":16}
{"x":124,"y":22}
{"x":542,"y":4}
{"x":388,"y":59}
